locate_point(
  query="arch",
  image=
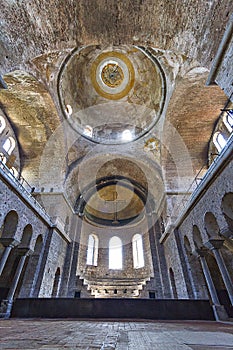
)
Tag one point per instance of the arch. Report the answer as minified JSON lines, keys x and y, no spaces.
{"x":211,"y":225}
{"x":38,"y":245}
{"x":173,"y":283}
{"x":32,"y":267}
{"x":10,"y":224}
{"x":56,"y":282}
{"x":192,"y":269}
{"x":228,"y":120}
{"x":2,"y":124}
{"x":27,"y":235}
{"x":9,"y":145}
{"x":138,"y":253}
{"x":92,"y":250}
{"x":115,"y":253}
{"x":219,"y":141}
{"x":197,"y":237}
{"x":227,"y":204}
{"x":227,"y":209}
{"x":187,"y":246}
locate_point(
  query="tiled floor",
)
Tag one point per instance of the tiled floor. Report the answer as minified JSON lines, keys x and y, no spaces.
{"x":119,"y":335}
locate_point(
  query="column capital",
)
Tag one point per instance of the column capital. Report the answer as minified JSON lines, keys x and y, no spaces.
{"x":24,"y":251}
{"x":200,"y":252}
{"x":9,"y":242}
{"x":226,"y":232}
{"x":214,"y":243}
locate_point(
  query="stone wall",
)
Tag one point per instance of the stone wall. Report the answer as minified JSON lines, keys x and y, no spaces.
{"x":23,"y":228}
{"x":209,"y":216}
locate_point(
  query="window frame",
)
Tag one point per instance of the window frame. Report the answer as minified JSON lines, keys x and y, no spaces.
{"x":92,"y":250}
{"x":138,"y":251}
{"x":115,"y":253}
{"x":216,"y":141}
{"x":12,"y":144}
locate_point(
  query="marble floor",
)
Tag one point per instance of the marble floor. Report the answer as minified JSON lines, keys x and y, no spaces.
{"x":120,"y":335}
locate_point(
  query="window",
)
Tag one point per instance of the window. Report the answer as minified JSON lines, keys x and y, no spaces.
{"x":152,"y":295}
{"x":2,"y":124}
{"x":228,"y":120}
{"x":92,"y":250}
{"x":115,"y":253}
{"x":138,"y":256}
{"x":9,"y":145}
{"x":219,"y":141}
{"x":77,"y":294}
{"x":173,"y":283}
{"x":88,"y":131}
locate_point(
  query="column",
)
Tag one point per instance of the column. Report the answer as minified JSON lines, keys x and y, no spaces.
{"x":15,"y":281}
{"x":8,"y":247}
{"x":214,"y":297}
{"x":214,"y":245}
{"x":219,"y":310}
{"x":16,"y":278}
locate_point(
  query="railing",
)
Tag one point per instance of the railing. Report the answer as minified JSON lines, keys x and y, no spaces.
{"x":199,"y":184}
{"x":24,"y":188}
{"x":223,"y":156}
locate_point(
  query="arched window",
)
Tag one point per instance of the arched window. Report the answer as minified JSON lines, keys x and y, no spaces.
{"x":27,"y":235}
{"x":228,"y":120}
{"x":56,"y":282}
{"x":88,"y":131}
{"x":92,"y":250}
{"x":115,"y":253}
{"x":138,"y":255}
{"x":219,"y":141}
{"x":9,"y":145}
{"x":173,"y":283}
{"x":10,"y":224}
{"x":2,"y":124}
{"x":211,"y":225}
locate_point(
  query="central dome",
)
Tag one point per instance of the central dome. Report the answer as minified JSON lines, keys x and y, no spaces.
{"x":111,"y":95}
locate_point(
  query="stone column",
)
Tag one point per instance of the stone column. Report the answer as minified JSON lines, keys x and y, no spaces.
{"x":16,"y":278}
{"x":9,"y":244}
{"x":210,"y":284}
{"x":219,"y":310}
{"x":214,"y":245}
{"x":11,"y":293}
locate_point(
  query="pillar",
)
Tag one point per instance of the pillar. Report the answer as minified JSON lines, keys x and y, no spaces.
{"x":16,"y":278}
{"x":6,"y":253}
{"x":219,"y":310}
{"x":15,"y":281}
{"x":214,"y":245}
{"x":208,"y":278}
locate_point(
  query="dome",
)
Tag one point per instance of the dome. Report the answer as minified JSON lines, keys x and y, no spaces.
{"x":112,"y":95}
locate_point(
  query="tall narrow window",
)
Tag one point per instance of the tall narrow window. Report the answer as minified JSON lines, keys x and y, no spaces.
{"x":115,"y":253}
{"x":173,"y":283}
{"x":92,"y":250}
{"x":219,"y":141}
{"x":2,"y":124}
{"x":9,"y":145}
{"x":228,"y":120}
{"x":138,"y":255}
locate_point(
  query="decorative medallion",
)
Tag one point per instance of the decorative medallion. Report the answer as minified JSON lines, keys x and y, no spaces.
{"x":112,"y":75}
